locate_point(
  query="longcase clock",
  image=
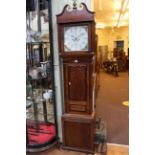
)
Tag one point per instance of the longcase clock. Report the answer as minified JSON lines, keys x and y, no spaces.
{"x":76,"y":33}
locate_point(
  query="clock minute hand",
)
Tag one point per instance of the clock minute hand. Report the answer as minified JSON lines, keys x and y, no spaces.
{"x":76,"y":39}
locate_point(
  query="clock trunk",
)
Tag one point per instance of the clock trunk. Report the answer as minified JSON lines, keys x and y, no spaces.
{"x":77,"y":92}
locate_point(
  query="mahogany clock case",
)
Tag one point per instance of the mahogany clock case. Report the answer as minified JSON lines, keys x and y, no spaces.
{"x":78,"y":79}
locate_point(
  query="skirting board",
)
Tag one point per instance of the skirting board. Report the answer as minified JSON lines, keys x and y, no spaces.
{"x":114,"y":144}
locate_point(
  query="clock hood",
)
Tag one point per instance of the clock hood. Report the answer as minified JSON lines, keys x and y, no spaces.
{"x":75,"y":15}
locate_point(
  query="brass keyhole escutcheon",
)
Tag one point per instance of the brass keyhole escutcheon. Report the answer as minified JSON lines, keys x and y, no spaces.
{"x":69,"y":83}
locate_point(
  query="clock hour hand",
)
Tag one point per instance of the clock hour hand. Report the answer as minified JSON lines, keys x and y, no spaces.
{"x":75,"y":39}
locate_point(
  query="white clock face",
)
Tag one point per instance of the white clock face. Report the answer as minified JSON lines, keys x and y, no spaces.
{"x":76,"y":38}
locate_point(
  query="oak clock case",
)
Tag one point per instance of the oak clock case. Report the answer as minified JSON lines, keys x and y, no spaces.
{"x":41,"y":121}
{"x":76,"y":33}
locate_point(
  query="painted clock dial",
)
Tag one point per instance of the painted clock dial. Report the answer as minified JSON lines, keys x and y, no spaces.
{"x":76,"y":38}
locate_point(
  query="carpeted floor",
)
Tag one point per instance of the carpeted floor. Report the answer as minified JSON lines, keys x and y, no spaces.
{"x":112,"y":92}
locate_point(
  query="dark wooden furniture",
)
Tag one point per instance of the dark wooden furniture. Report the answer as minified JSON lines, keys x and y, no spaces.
{"x":78,"y":96}
{"x":111,"y":67}
{"x":97,"y":65}
{"x":78,"y":60}
{"x":121,"y":58}
{"x":115,"y":52}
{"x":78,"y":132}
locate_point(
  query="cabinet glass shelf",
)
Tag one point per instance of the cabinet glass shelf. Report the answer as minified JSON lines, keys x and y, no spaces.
{"x":41,"y":122}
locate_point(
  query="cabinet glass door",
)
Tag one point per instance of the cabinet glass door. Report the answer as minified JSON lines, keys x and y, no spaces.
{"x":41,"y":125}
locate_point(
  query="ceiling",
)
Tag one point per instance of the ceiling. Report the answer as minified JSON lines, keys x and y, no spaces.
{"x":110,"y":13}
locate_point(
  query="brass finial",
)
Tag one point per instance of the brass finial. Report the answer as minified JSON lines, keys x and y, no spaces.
{"x":74,"y":4}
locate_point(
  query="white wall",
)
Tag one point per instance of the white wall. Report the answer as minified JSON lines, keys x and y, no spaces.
{"x":57,"y":7}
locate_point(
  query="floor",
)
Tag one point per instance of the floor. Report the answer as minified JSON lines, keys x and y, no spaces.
{"x":109,"y":105}
{"x":111,"y":150}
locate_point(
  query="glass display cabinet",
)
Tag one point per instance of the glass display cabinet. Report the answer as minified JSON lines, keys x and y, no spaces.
{"x":41,"y":122}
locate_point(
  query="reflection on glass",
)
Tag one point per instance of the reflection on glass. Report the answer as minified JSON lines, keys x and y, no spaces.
{"x":41,"y":125}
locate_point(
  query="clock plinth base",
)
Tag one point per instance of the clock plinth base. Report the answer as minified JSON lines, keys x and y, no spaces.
{"x":78,"y":132}
{"x":77,"y":149}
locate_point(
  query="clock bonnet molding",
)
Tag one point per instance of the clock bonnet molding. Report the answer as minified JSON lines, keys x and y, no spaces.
{"x":73,"y":15}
